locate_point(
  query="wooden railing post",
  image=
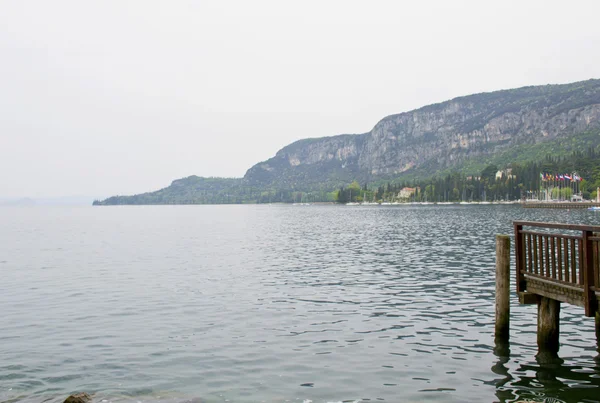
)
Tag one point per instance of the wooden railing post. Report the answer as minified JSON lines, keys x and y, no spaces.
{"x":598,"y":333}
{"x":588,"y":274}
{"x":520,"y":258}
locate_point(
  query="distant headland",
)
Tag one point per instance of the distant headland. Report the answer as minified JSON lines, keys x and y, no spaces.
{"x":453,"y":150}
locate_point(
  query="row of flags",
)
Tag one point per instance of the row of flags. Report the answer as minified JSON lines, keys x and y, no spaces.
{"x":560,"y":177}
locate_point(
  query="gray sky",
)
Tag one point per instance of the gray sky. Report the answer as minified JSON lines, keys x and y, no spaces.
{"x":119,"y":97}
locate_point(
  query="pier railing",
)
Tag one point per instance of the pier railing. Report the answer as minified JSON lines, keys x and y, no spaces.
{"x":558,"y":261}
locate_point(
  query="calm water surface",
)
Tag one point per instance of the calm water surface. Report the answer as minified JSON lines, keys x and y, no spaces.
{"x":273,"y":304}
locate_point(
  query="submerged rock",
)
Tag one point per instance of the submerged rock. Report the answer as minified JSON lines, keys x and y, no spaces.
{"x":79,"y":398}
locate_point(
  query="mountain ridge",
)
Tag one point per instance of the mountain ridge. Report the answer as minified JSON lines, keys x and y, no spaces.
{"x":461,"y":127}
{"x":430,"y":139}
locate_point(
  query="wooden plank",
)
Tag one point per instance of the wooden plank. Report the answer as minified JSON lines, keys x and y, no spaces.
{"x":569,"y":298}
{"x":529,"y":255}
{"x":541,"y":254}
{"x":566,"y":255}
{"x":534,"y":246}
{"x":564,"y":292}
{"x":559,"y":259}
{"x":596,"y":262}
{"x":562,"y":284}
{"x":547,"y":259}
{"x":573,"y":263}
{"x":553,"y":254}
{"x":581,"y":264}
{"x":564,"y":236}
{"x":574,"y":227}
{"x":527,"y":298}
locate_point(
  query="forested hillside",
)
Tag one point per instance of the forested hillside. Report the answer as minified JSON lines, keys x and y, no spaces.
{"x":578,"y":172}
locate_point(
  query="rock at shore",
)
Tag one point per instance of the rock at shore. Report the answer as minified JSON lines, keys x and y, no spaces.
{"x":79,"y":398}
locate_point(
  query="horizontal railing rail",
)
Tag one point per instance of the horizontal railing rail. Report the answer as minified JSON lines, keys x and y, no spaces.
{"x":573,"y":227}
{"x":565,"y":264}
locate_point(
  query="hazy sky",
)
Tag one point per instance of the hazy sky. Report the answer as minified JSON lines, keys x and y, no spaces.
{"x":119,"y":97}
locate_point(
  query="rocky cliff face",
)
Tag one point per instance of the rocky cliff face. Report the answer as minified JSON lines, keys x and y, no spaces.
{"x":436,"y":136}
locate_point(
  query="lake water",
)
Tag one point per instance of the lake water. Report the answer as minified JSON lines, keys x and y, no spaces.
{"x":273,"y":304}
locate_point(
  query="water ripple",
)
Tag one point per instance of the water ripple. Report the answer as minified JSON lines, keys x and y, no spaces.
{"x":273,"y":304}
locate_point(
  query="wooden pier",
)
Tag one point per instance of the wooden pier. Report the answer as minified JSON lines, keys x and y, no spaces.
{"x":555,"y":263}
{"x":558,"y":261}
{"x":560,"y":205}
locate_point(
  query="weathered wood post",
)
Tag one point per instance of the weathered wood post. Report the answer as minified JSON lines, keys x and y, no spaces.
{"x":502,"y":288}
{"x":588,"y":273}
{"x":548,"y":327}
{"x":520,"y":258}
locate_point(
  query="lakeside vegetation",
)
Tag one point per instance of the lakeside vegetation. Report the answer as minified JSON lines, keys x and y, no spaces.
{"x":513,"y":182}
{"x":199,"y":190}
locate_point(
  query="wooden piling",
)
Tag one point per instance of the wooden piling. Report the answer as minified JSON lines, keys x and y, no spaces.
{"x":502,"y":288}
{"x":548,"y":326}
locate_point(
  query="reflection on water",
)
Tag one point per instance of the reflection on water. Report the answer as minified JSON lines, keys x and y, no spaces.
{"x":274,"y":304}
{"x":546,"y":381}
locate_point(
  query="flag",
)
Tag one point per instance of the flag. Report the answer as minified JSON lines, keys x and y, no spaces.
{"x":567,"y":176}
